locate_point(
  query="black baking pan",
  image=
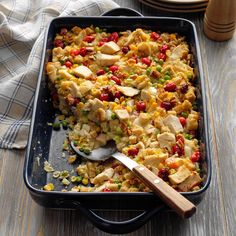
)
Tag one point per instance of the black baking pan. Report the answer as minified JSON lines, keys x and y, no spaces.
{"x":45,"y":144}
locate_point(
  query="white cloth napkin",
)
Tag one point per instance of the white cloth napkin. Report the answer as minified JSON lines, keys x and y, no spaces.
{"x":22,"y":30}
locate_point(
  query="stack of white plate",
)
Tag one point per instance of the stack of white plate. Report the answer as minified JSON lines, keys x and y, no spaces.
{"x":177,"y":5}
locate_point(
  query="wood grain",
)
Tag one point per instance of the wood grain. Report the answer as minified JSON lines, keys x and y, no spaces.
{"x":181,"y":205}
{"x":216,"y":214}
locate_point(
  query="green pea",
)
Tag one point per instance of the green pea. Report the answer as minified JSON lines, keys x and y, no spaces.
{"x":161,"y":81}
{"x":167,"y":77}
{"x":159,"y":68}
{"x":148,"y":71}
{"x":184,"y":114}
{"x":56,"y":125}
{"x":64,"y":124}
{"x":113,"y":116}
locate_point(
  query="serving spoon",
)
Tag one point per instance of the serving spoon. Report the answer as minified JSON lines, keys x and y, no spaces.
{"x":181,"y":205}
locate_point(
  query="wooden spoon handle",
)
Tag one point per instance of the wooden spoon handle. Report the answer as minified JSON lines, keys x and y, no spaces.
{"x":170,"y":196}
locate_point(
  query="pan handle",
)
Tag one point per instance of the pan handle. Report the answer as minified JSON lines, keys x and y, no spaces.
{"x":122,"y":11}
{"x":121,"y":227}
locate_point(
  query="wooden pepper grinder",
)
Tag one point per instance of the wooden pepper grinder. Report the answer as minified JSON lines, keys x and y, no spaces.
{"x":220,"y":19}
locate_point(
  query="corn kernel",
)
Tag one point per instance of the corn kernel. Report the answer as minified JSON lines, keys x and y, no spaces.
{"x":49,"y":187}
{"x":84,"y":181}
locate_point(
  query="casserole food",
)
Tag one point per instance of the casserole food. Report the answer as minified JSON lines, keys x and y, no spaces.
{"x":45,"y":143}
{"x":135,"y":87}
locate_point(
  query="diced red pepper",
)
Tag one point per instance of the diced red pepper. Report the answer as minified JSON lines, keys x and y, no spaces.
{"x":106,"y":190}
{"x":184,"y":88}
{"x":59,"y":43}
{"x":163,"y":174}
{"x":176,"y":149}
{"x":76,"y":101}
{"x":163,"y":48}
{"x":161,"y":56}
{"x":182,"y":120}
{"x":166,"y":105}
{"x":63,"y":31}
{"x":104,"y":97}
{"x":68,"y":64}
{"x":82,"y":51}
{"x":133,"y":151}
{"x":113,"y":37}
{"x":196,"y":156}
{"x":146,"y":61}
{"x":102,"y":41}
{"x":125,"y":49}
{"x":170,"y":87}
{"x":113,"y":68}
{"x":116,"y":79}
{"x":154,"y":36}
{"x":101,"y":72}
{"x":140,"y":106}
{"x":117,"y":94}
{"x":74,"y":52}
{"x":89,"y":38}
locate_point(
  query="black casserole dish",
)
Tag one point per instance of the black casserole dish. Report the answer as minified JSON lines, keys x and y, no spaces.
{"x":45,"y":144}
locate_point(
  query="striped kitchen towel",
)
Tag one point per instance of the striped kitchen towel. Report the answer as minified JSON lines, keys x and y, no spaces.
{"x":22,"y":30}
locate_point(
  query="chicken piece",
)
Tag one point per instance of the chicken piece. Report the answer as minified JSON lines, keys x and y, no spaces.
{"x":189,"y":147}
{"x":70,"y":87}
{"x":51,"y":69}
{"x":137,"y":130}
{"x":144,"y":49}
{"x":106,"y":59}
{"x":122,"y":114}
{"x":79,"y":38}
{"x":105,"y":175}
{"x":136,"y":36}
{"x":100,"y":114}
{"x":179,"y":51}
{"x":155,"y":159}
{"x":57,"y":54}
{"x":85,"y":87}
{"x":173,"y":123}
{"x":182,"y":174}
{"x":143,"y":119}
{"x":64,"y":74}
{"x":82,"y":71}
{"x":148,"y":93}
{"x":102,"y":139}
{"x":93,"y":105}
{"x":193,"y":180}
{"x":128,"y":91}
{"x":91,"y":168}
{"x":110,"y":48}
{"x":166,"y":140}
{"x":141,"y":81}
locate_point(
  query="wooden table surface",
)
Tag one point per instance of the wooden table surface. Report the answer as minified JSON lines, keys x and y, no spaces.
{"x":216,"y":214}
